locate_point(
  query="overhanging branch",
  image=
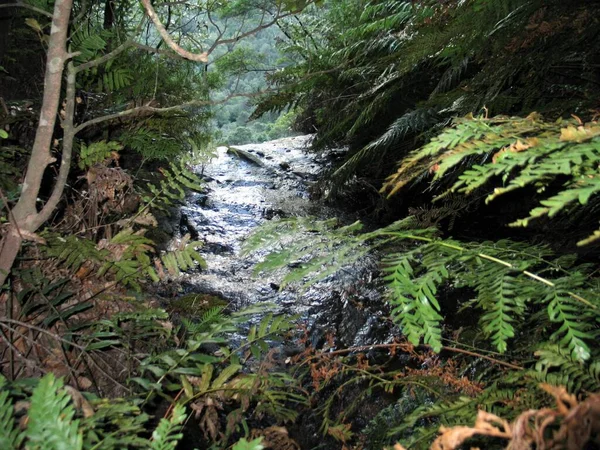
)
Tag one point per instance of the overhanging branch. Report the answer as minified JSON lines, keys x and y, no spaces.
{"x":153,"y":109}
{"x":29,"y":7}
{"x":164,"y":34}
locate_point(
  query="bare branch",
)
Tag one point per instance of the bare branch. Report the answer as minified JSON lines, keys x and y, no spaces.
{"x":251,"y":32}
{"x":98,"y":61}
{"x":182,"y":106}
{"x":25,"y":209}
{"x":67,"y":150}
{"x":158,"y":51}
{"x":26,"y":6}
{"x":201,"y":57}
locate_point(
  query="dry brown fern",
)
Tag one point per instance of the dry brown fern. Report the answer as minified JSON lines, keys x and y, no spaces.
{"x":570,"y":425}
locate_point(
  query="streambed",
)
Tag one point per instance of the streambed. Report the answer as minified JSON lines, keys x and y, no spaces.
{"x":248,"y":185}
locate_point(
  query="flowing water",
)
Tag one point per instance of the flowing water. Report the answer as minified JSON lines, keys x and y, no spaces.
{"x":248,"y":185}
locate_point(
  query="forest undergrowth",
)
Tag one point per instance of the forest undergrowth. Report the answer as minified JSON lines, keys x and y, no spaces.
{"x":473,"y":143}
{"x":472,"y":139}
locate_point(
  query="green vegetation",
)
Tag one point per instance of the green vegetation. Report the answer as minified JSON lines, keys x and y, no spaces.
{"x":233,"y":120}
{"x":90,"y":359}
{"x":473,"y":147}
{"x":477,"y":123}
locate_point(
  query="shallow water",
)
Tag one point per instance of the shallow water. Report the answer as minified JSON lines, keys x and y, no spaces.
{"x":273,"y":180}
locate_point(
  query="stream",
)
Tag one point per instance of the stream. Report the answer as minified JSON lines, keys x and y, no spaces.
{"x":248,"y":185}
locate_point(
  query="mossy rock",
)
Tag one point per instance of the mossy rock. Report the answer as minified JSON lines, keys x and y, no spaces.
{"x":196,"y":304}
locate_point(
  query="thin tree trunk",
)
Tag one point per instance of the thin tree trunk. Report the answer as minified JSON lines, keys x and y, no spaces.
{"x":25,"y":218}
{"x":9,"y":249}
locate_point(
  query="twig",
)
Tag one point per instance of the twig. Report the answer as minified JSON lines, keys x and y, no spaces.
{"x":363,"y":348}
{"x":26,"y":6}
{"x":28,"y":362}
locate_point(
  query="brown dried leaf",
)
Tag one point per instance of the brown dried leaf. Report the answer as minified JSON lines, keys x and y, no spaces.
{"x":451,"y":438}
{"x":80,"y":402}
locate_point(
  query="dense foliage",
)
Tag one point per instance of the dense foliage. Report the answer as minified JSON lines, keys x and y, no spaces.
{"x":472,"y":133}
{"x":524,"y":301}
{"x":378,"y":75}
{"x":477,"y":123}
{"x":90,"y":357}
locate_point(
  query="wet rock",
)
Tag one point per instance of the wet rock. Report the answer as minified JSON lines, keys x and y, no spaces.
{"x":305,"y":175}
{"x":167,"y":227}
{"x":217,"y":248}
{"x":159,"y":237}
{"x":201,"y":200}
{"x":351,"y":322}
{"x":270,"y":213}
{"x":187,"y":227}
{"x":284,"y":165}
{"x":169,"y":220}
{"x":246,"y":156}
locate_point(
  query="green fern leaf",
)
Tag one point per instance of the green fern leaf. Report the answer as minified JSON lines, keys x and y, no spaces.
{"x":10,"y":436}
{"x":167,"y":435}
{"x":52,"y":424}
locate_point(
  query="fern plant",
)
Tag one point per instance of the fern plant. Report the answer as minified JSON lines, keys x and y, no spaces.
{"x":59,"y":418}
{"x":97,"y":152}
{"x":390,"y":73}
{"x":211,"y":383}
{"x":52,"y":422}
{"x":509,"y":154}
{"x":171,"y":189}
{"x":505,"y":276}
{"x":126,"y":257}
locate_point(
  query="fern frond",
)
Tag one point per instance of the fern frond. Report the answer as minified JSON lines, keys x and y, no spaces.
{"x":184,"y":257}
{"x":167,"y":434}
{"x":152,"y":144}
{"x":73,"y":251}
{"x":451,"y":77}
{"x":52,"y":424}
{"x":96,"y":152}
{"x":413,"y":299}
{"x":557,"y":367}
{"x":500,"y":299}
{"x":517,"y":153}
{"x":172,"y":187}
{"x":88,"y":42}
{"x":575,"y":325}
{"x":115,"y":79}
{"x":10,"y":437}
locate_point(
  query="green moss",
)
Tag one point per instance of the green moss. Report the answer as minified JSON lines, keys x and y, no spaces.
{"x":196,"y":304}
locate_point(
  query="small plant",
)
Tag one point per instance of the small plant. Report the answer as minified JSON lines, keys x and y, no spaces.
{"x":57,"y":417}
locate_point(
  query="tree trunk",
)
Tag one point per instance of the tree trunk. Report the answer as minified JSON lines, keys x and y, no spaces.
{"x":24,"y":217}
{"x":109,"y":14}
{"x":10,"y":246}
